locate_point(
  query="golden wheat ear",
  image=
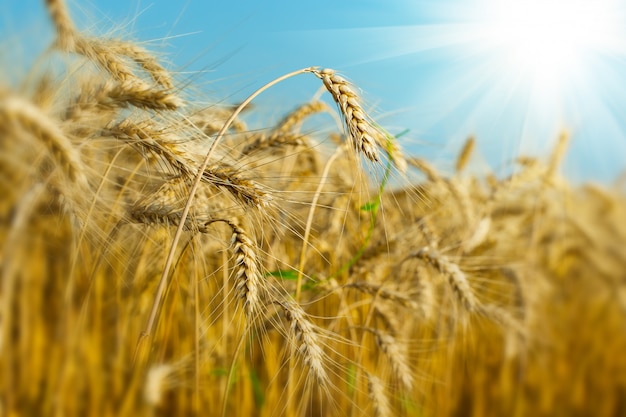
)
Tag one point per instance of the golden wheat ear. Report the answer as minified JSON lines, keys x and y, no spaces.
{"x":116,"y":58}
{"x":360,"y":128}
{"x":19,"y":113}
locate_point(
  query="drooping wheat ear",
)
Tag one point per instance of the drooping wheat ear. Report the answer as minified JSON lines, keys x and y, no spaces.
{"x":427,"y":230}
{"x":478,"y":236}
{"x":290,"y":121}
{"x":17,"y":111}
{"x":502,"y":317}
{"x":109,"y":54}
{"x":376,"y":391}
{"x":458,"y":193}
{"x":456,"y":277}
{"x":396,"y":355}
{"x":427,"y":169}
{"x":131,"y":89}
{"x":284,"y":133}
{"x":246,"y":190}
{"x":362,"y":132}
{"x":305,"y":339}
{"x":141,"y":95}
{"x":384,"y":293}
{"x":98,"y":52}
{"x":146,"y":61}
{"x":211,"y":119}
{"x":157,"y":381}
{"x":247,"y":277}
{"x":164,"y":206}
{"x":150,"y":141}
{"x":275,"y":139}
{"x":465,"y":154}
{"x":63,"y":24}
{"x":142,"y":135}
{"x":556,"y":157}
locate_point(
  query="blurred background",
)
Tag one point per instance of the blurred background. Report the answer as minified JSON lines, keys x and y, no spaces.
{"x":513,"y":74}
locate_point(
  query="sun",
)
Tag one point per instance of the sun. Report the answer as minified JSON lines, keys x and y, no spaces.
{"x":549,"y":41}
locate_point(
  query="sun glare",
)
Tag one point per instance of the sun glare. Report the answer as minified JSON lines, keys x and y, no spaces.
{"x":550,"y":40}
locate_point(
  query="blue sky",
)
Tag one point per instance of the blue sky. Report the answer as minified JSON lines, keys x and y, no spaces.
{"x":512,"y":75}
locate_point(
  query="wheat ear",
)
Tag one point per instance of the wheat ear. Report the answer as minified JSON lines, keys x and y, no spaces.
{"x":33,"y":120}
{"x":290,"y":121}
{"x":361,"y":130}
{"x":384,"y":293}
{"x":141,"y":57}
{"x":557,"y":155}
{"x":456,"y":277}
{"x":247,"y":276}
{"x":376,"y":391}
{"x":306,"y":339}
{"x":465,"y":154}
{"x":141,"y":95}
{"x":164,"y":206}
{"x":63,"y":24}
{"x":396,"y":356}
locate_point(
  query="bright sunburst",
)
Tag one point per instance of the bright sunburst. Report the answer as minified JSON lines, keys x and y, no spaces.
{"x":515,"y":73}
{"x":550,"y":41}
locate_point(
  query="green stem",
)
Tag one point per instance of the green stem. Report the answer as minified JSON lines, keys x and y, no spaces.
{"x":374,"y":207}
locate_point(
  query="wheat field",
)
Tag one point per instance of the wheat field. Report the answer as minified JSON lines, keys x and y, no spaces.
{"x":159,"y":257}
